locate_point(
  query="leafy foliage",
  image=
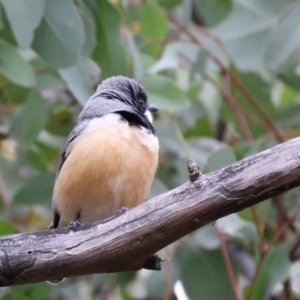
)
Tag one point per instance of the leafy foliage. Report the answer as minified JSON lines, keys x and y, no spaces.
{"x":225,"y":75}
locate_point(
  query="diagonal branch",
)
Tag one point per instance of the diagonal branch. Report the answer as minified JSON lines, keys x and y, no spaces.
{"x":125,"y":242}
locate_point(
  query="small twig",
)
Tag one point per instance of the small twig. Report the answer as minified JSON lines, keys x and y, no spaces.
{"x":260,"y":234}
{"x":234,"y":106}
{"x":282,"y":229}
{"x":230,"y":98}
{"x":252,"y":283}
{"x":194,"y":170}
{"x":4,"y":191}
{"x":227,"y":262}
{"x":266,"y":250}
{"x":239,"y":84}
{"x":169,"y":277}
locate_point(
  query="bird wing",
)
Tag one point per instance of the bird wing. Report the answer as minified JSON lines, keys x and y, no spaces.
{"x":64,"y":155}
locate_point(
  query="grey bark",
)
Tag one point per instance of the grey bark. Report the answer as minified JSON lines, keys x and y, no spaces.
{"x":125,"y":242}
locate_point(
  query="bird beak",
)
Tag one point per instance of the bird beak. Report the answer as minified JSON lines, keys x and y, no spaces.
{"x":152,"y":108}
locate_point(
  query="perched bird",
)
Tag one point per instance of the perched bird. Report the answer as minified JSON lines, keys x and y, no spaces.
{"x":110,"y":158}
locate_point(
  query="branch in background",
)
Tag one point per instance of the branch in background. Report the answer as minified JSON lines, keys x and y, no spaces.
{"x":125,"y":242}
{"x":227,"y":262}
{"x":235,"y":80}
{"x":234,"y":106}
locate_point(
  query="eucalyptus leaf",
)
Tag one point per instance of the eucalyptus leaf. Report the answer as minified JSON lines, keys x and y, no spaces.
{"x":24,"y":17}
{"x":275,"y":269}
{"x":14,"y":67}
{"x":35,"y":118}
{"x":38,"y":190}
{"x":82,"y":79}
{"x":109,"y":52}
{"x":165,"y":94}
{"x":60,"y":37}
{"x":285,"y":37}
{"x":153,"y":21}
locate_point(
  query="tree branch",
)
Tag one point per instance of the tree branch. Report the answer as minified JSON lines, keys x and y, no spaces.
{"x":125,"y":242}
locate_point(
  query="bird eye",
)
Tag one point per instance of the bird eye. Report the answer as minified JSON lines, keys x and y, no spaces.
{"x":142,"y":103}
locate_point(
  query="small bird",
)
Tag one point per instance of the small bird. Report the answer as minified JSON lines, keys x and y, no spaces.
{"x":110,"y":157}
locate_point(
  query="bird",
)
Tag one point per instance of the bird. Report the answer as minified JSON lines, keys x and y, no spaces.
{"x":110,"y":157}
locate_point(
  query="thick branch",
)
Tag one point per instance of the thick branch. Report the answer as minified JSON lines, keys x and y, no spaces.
{"x":125,"y":242}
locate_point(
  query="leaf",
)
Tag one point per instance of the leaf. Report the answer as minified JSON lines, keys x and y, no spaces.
{"x":36,"y":159}
{"x":246,"y":31}
{"x":35,"y":118}
{"x":207,"y":238}
{"x":171,"y":57}
{"x":60,"y":37}
{"x":109,"y":52}
{"x":220,"y":159}
{"x":262,"y":210}
{"x":153,"y":21}
{"x":165,"y":94}
{"x":275,"y":269}
{"x":202,"y":148}
{"x":14,"y":67}
{"x":11,"y":176}
{"x":37,"y":291}
{"x":38,"y":190}
{"x":89,"y":33}
{"x":210,"y":14}
{"x":169,"y":4}
{"x":237,"y":228}
{"x":7,"y":228}
{"x":81,"y":79}
{"x":204,"y":275}
{"x":25,"y":19}
{"x":201,"y":128}
{"x":285,"y":37}
{"x":158,"y":187}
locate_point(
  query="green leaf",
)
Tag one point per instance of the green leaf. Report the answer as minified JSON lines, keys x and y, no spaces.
{"x":109,"y":52}
{"x":285,"y":37}
{"x":202,"y":148}
{"x":61,"y":120}
{"x":210,"y":14}
{"x":201,"y":128}
{"x":207,"y":238}
{"x":36,"y":159}
{"x":204,"y":274}
{"x":14,"y":67}
{"x":246,"y":31}
{"x":169,"y":4}
{"x":275,"y":269}
{"x":37,"y":291}
{"x":235,"y":227}
{"x":7,"y":228}
{"x":9,"y":171}
{"x":171,"y":57}
{"x":24,"y":17}
{"x":89,"y":29}
{"x":35,"y":118}
{"x":38,"y":190}
{"x":165,"y":94}
{"x":262,"y":210}
{"x":153,"y":21}
{"x":158,"y":187}
{"x":81,"y":79}
{"x":60,"y":37}
{"x":220,"y":159}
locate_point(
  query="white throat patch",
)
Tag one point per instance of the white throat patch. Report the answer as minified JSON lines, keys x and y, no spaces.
{"x":148,"y":114}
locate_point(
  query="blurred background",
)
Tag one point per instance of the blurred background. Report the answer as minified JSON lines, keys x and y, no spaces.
{"x":226,"y":77}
